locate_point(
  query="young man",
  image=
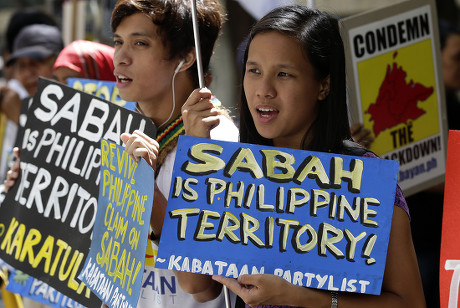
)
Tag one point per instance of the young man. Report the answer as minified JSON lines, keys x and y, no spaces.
{"x":155,"y":65}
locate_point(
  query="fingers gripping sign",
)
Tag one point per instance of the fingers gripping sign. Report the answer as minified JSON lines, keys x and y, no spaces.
{"x":256,"y":289}
{"x":139,"y":145}
{"x":13,"y":173}
{"x":199,"y":113}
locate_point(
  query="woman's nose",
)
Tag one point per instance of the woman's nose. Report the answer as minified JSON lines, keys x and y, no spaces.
{"x":266,"y":89}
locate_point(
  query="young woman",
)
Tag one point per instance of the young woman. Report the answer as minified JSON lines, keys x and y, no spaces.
{"x":294,"y":96}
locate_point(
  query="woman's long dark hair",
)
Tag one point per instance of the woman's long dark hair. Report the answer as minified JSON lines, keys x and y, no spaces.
{"x":318,"y":34}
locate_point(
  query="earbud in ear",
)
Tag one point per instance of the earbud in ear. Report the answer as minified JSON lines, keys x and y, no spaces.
{"x":179,"y":65}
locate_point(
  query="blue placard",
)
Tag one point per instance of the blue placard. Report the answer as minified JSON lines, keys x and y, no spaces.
{"x":104,"y":89}
{"x":319,"y":220}
{"x":27,"y":286}
{"x":115,"y":263}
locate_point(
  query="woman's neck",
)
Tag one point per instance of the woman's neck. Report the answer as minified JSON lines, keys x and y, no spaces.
{"x":286,"y":144}
{"x":293,"y":143}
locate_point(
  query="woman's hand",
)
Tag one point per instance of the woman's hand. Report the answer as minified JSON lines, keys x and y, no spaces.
{"x":199,"y":114}
{"x":139,"y":145}
{"x":13,"y":173}
{"x":258,"y":289}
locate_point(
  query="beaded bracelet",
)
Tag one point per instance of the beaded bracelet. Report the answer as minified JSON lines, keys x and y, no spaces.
{"x":334,"y":299}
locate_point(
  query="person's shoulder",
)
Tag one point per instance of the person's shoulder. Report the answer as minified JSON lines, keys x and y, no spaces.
{"x":352,"y":148}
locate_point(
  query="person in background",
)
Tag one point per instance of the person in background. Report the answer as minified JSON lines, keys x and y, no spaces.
{"x":84,"y":59}
{"x":449,"y":36}
{"x":20,"y":19}
{"x":13,"y":91}
{"x":35,"y":49}
{"x":79,"y":59}
{"x":426,"y":207}
{"x":294,"y":96}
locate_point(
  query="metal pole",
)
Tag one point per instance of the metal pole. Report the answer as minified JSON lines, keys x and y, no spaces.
{"x":228,"y":304}
{"x":196,"y":35}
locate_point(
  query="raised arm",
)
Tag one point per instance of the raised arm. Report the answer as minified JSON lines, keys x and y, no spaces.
{"x":199,"y":114}
{"x":200,"y":117}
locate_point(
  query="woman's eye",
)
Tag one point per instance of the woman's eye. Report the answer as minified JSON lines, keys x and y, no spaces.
{"x":117,"y":42}
{"x":141,"y":43}
{"x":283,"y":74}
{"x":253,"y":70}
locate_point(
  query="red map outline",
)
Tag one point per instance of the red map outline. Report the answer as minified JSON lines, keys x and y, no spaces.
{"x":397,"y":100}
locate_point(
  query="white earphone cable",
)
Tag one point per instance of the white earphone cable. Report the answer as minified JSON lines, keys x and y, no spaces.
{"x":173,"y":93}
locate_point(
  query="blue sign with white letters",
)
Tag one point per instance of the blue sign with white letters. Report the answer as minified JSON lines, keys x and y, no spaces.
{"x":104,"y":89}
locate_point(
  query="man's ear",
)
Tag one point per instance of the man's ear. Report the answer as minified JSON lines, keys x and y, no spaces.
{"x":324,"y":88}
{"x":189,"y":59}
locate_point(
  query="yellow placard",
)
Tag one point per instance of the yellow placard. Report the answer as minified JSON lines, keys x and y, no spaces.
{"x":399,"y":96}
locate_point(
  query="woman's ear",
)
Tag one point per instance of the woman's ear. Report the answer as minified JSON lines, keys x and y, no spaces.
{"x":324,"y":88}
{"x":189,"y":59}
